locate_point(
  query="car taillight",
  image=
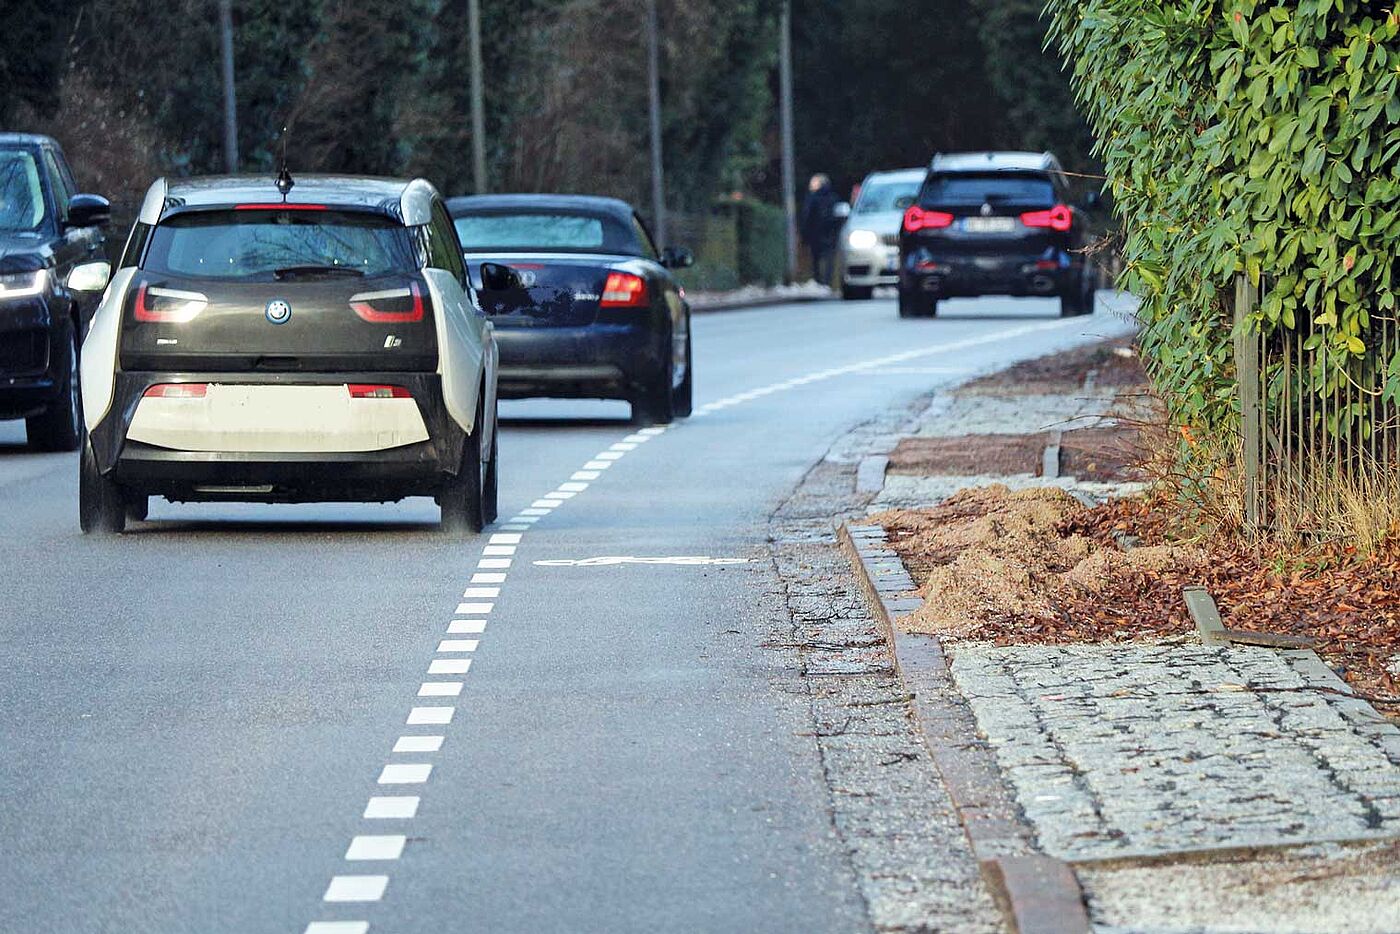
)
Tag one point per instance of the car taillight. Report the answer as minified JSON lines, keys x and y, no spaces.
{"x":390,"y":306}
{"x":372,"y":391}
{"x":624,"y":290}
{"x":1060,"y":218}
{"x":171,"y":306}
{"x":177,"y":391}
{"x":916,"y":218}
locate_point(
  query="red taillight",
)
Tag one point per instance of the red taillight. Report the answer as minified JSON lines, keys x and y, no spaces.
{"x":272,"y":206}
{"x":1060,"y":218}
{"x":171,"y":306}
{"x":916,"y":218}
{"x":177,"y":391}
{"x":624,"y":290}
{"x":372,"y":391}
{"x":391,"y":306}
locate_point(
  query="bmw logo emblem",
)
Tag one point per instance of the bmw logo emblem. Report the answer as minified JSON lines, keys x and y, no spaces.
{"x":278,"y":311}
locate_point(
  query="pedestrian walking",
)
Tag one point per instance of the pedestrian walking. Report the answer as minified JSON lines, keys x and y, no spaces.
{"x":819,"y":225}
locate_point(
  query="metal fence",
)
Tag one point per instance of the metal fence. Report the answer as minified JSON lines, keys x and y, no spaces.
{"x":736,"y":243}
{"x":1317,"y":427}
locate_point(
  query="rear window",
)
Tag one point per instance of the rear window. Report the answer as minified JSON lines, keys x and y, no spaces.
{"x":878,"y":197}
{"x":968,"y":190}
{"x":273,"y":245}
{"x":541,"y":231}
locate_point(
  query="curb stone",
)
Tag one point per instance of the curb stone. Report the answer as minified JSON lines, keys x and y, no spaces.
{"x":1038,"y":894}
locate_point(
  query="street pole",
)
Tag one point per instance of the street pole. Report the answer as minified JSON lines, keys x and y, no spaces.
{"x":658,"y":187}
{"x":230,"y":98}
{"x":478,"y":108}
{"x":785,"y":123}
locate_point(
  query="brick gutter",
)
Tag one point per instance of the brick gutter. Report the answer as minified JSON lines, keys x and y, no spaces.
{"x":1038,"y":894}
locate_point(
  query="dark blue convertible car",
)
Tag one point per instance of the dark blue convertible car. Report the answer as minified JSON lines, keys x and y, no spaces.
{"x":593,"y":311}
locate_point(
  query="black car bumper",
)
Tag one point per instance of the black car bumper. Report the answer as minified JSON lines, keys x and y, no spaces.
{"x":384,"y":475}
{"x":951,"y":276}
{"x":31,"y":350}
{"x":600,"y":361}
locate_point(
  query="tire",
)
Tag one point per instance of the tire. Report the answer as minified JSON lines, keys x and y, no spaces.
{"x":908,"y":304}
{"x":656,"y":403}
{"x":490,"y":487}
{"x":684,"y":396}
{"x":60,"y":426}
{"x":1078,"y":300}
{"x":462,"y":498}
{"x":138,"y":508}
{"x":857,"y":293}
{"x":101,"y":503}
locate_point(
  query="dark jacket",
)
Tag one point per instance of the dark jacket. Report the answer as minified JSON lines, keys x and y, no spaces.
{"x":818,"y":223}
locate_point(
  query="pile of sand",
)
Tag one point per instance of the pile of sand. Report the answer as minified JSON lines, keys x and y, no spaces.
{"x":994,"y":557}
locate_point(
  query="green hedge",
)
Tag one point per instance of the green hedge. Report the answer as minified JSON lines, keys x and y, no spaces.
{"x":1256,"y":136}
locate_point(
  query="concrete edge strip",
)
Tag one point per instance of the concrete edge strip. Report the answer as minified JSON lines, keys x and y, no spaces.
{"x":1038,"y":894}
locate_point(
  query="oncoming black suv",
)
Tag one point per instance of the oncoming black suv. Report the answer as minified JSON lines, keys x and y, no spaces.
{"x":52,"y":270}
{"x":994,"y":223}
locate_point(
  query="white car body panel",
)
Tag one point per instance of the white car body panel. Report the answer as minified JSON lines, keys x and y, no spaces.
{"x":97,"y":364}
{"x":277,"y":420}
{"x":463,"y":337}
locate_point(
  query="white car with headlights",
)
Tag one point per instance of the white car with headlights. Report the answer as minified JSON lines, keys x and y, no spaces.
{"x":867,"y":254}
{"x":290,"y":341}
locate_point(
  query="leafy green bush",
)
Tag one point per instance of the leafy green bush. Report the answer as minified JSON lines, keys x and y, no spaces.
{"x":1255,"y":136}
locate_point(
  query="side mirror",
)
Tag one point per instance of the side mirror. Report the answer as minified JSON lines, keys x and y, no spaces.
{"x":677,"y":257}
{"x":842,"y":210}
{"x":498,"y":277}
{"x":88,"y":211}
{"x":90,"y":277}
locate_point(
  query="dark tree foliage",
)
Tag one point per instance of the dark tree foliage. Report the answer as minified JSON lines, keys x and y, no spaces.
{"x":32,"y":38}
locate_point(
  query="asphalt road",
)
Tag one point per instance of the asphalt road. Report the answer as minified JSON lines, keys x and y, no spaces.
{"x":195,"y":717}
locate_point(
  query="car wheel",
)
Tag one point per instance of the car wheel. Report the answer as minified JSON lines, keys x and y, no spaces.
{"x":101,"y":504}
{"x":461,"y":498}
{"x":684,"y":400}
{"x":60,"y":426}
{"x":908,"y":304}
{"x":138,"y":507}
{"x":857,"y":293}
{"x":491,"y":485}
{"x":655,"y":404}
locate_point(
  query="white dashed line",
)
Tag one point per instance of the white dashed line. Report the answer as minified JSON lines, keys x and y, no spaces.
{"x":449,"y":666}
{"x":598,"y":465}
{"x":493,"y":551}
{"x":585,"y":475}
{"x":466,"y":609}
{"x":612,"y":455}
{"x":573,"y":487}
{"x":430,"y":716}
{"x":337,"y":927}
{"x":405,"y":773}
{"x":367,"y":847}
{"x":457,"y":645}
{"x":391,"y":807}
{"x":356,"y":888}
{"x":481,"y":592}
{"x":418,"y":744}
{"x":466,"y":627}
{"x":488,"y":578}
{"x":440,"y":689}
{"x":486,"y":563}
{"x":536,"y":511}
{"x":623,"y":446}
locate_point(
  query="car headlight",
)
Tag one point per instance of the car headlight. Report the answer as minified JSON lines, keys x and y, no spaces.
{"x":862,"y":239}
{"x":23,"y":284}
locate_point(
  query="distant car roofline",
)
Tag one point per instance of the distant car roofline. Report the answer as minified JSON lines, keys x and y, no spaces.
{"x":995,"y":161}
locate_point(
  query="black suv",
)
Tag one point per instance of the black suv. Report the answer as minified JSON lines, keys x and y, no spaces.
{"x":994,"y":223}
{"x":50,"y":243}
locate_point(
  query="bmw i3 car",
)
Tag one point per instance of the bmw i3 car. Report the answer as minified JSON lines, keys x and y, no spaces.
{"x":280,"y":340}
{"x":593,"y":311}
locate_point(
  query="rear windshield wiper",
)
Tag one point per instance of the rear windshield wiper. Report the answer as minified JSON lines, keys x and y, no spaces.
{"x":290,"y":272}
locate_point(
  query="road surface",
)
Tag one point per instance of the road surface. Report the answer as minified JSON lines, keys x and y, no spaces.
{"x":205,"y":724}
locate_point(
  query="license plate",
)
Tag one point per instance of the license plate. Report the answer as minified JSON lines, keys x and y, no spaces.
{"x":989,"y":224}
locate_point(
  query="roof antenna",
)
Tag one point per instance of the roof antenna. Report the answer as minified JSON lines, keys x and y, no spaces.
{"x":284,"y":176}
